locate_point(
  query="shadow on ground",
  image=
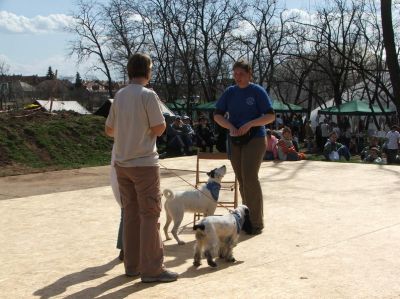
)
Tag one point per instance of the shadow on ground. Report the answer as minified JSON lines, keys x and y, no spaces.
{"x":60,"y":286}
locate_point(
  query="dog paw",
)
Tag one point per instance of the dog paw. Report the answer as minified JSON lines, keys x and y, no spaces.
{"x":196,"y":263}
{"x":212,"y":264}
{"x":181,"y":243}
{"x":231,"y":260}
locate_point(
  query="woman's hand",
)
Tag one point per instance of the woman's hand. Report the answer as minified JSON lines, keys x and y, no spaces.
{"x":233,"y":131}
{"x":244,"y":129}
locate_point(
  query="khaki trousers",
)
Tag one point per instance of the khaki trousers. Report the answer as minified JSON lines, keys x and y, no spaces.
{"x":246,"y":161}
{"x":141,"y":201}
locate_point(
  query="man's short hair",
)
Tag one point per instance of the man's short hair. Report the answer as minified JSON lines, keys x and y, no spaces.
{"x":139,"y":65}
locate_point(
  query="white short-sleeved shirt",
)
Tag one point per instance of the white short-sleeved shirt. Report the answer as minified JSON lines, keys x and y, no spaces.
{"x":134,"y":111}
{"x":393,"y":139}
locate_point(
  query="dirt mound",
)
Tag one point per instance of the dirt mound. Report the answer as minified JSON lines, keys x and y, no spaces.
{"x":36,"y":140}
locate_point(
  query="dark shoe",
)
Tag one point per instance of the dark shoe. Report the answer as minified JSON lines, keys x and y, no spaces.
{"x":121,"y":255}
{"x":132,"y":274}
{"x":166,"y":276}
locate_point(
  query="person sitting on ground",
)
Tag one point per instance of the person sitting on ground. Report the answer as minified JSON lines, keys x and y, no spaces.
{"x":204,"y":135}
{"x":286,"y":149}
{"x":271,"y":152}
{"x":177,"y":139}
{"x":334,"y":150}
{"x":187,"y":127}
{"x":366,"y":155}
{"x":374,"y":156}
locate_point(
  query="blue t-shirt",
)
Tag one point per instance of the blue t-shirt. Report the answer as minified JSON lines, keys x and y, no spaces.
{"x":245,"y":104}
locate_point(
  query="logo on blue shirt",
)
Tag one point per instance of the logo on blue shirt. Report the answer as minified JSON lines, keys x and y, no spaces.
{"x":250,"y":101}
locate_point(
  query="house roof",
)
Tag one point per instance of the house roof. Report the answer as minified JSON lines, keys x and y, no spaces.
{"x":63,"y":106}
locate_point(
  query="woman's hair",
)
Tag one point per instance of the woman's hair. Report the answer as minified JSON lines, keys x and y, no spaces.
{"x":139,"y":65}
{"x":243,"y":64}
{"x":286,"y":130}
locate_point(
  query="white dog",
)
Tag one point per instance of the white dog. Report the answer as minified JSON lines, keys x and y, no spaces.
{"x":202,"y":200}
{"x":219,"y":234}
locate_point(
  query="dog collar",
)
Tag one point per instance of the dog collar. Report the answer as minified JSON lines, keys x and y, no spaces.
{"x":237,"y":219}
{"x":214,"y":188}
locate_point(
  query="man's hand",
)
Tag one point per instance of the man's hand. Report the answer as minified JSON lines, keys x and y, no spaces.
{"x":109,"y":131}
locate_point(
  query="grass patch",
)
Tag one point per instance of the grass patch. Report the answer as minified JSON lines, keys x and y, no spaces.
{"x":60,"y":141}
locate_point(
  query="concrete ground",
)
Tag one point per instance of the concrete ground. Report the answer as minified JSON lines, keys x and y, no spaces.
{"x":332,"y":230}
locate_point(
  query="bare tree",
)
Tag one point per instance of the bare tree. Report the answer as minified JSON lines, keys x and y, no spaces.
{"x":92,"y":41}
{"x":268,"y":39}
{"x":215,"y":22}
{"x":125,"y":32}
{"x":390,"y":47}
{"x":4,"y":68}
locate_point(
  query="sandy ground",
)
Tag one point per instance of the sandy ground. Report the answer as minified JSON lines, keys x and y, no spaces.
{"x":332,"y":231}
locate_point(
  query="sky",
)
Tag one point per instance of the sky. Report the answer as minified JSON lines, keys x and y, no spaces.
{"x":32,"y":36}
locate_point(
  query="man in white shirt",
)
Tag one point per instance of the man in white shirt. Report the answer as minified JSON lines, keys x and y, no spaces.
{"x":135,"y":120}
{"x":392,"y":145}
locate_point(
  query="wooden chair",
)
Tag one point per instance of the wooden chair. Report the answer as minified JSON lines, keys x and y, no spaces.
{"x":225,"y":185}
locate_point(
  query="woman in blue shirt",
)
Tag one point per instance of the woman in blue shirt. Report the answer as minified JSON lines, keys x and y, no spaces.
{"x":243,"y":109}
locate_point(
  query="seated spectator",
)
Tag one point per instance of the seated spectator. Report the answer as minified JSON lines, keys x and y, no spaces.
{"x":204,"y":135}
{"x":334,"y":150}
{"x":373,"y":156}
{"x":177,"y":139}
{"x":286,"y":149}
{"x":373,"y":143}
{"x":187,"y":128}
{"x":271,"y":152}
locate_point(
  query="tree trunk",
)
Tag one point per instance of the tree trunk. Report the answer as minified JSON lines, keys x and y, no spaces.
{"x":390,"y":48}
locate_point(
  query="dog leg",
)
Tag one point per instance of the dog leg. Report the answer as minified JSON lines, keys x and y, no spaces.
{"x":197,"y":255}
{"x":229,"y":244}
{"x":174,"y":231}
{"x":167,"y":223}
{"x":210,"y":260}
{"x":229,"y":256}
{"x":222,"y":251}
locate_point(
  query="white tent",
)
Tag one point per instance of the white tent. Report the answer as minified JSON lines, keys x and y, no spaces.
{"x":57,"y":105}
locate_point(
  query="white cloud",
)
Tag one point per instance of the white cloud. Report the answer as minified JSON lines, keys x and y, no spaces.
{"x":66,"y":66}
{"x":12,"y":23}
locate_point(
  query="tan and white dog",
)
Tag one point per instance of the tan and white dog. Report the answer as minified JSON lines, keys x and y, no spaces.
{"x":202,"y":200}
{"x":219,"y":235}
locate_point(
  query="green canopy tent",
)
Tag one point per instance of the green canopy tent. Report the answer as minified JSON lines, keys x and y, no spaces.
{"x":278,"y":106}
{"x":210,"y":106}
{"x":356,"y":107}
{"x":281,"y":107}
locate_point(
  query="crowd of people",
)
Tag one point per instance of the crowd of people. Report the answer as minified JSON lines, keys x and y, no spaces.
{"x":288,"y":138}
{"x":183,"y":135}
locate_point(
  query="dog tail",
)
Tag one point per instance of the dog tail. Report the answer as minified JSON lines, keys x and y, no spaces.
{"x":199,"y":226}
{"x":168,"y":193}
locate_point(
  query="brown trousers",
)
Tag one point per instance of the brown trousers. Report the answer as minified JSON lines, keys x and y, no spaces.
{"x":141,"y":201}
{"x":246,"y":161}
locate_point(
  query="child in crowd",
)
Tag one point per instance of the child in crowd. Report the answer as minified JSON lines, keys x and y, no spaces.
{"x":333,"y":150}
{"x":286,"y":149}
